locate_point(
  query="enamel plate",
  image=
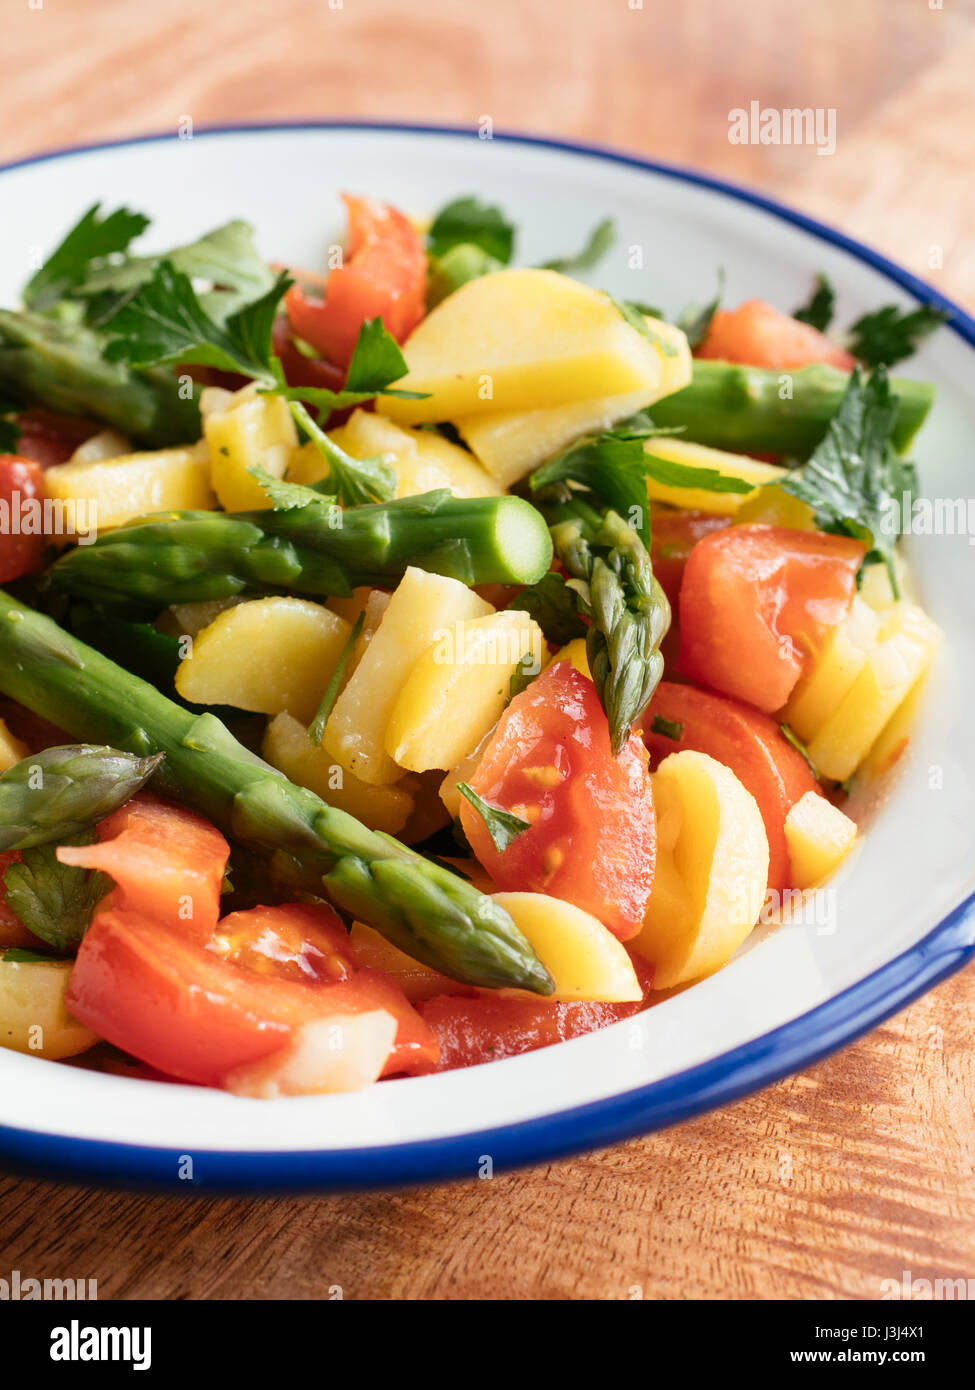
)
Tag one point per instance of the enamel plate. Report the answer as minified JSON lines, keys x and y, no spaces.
{"x":899,"y":916}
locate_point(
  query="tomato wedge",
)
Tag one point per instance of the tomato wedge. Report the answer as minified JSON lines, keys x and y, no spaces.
{"x":384,"y":275}
{"x":592,"y":837}
{"x":22,"y":540}
{"x":751,"y":744}
{"x":674,"y":536}
{"x":756,"y":600}
{"x":759,"y":335}
{"x":47,"y":438}
{"x":167,"y":862}
{"x":483,"y":1029}
{"x":12,"y":930}
{"x":202,"y":1012}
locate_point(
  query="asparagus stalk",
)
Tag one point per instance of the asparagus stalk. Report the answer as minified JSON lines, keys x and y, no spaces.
{"x":630,"y":612}
{"x":772,"y":412}
{"x":313,"y":549}
{"x":62,"y":791}
{"x":58,"y":363}
{"x":425,"y":910}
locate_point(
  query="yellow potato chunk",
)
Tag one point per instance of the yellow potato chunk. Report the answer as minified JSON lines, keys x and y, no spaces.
{"x":33,"y":1016}
{"x":575,"y":651}
{"x":875,"y":588}
{"x":773,"y":506}
{"x":107,"y":492}
{"x":418,"y":982}
{"x":269,"y":655}
{"x":907,"y":642}
{"x":677,"y":450}
{"x":819,"y":835}
{"x":423,"y":608}
{"x":711,"y":873}
{"x":288,"y":748}
{"x":512,"y":443}
{"x":833,"y":670}
{"x":457,"y":689}
{"x":106,"y":444}
{"x":329,"y":1055}
{"x":11,"y":749}
{"x":521,"y":340}
{"x":244,"y":429}
{"x":582,"y":956}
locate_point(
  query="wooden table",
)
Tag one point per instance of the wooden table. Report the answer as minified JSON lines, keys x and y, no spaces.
{"x":832,"y":1181}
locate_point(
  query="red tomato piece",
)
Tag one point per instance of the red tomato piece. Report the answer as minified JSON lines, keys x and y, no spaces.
{"x":674,"y":536}
{"x":12,"y":930}
{"x":384,"y":275}
{"x":756,"y":600}
{"x":49,"y":439}
{"x":492,"y":1026}
{"x":22,"y":541}
{"x":592,"y":839}
{"x":167,"y":862}
{"x":759,"y":335}
{"x":751,"y":744}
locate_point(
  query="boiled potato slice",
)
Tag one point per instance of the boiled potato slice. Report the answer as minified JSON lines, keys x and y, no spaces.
{"x":33,"y":1016}
{"x":907,"y":642}
{"x":106,"y":444}
{"x":288,"y":748}
{"x":340,"y":1052}
{"x":418,"y":982}
{"x":423,"y":608}
{"x":833,"y":670}
{"x":819,"y":835}
{"x":269,"y":655}
{"x":875,"y":587}
{"x":11,"y":749}
{"x":457,"y":689}
{"x":422,"y":459}
{"x":676,"y":450}
{"x":773,"y":506}
{"x":575,"y":651}
{"x":582,"y":956}
{"x":107,"y":492}
{"x":521,"y":340}
{"x":512,"y":443}
{"x":711,"y":873}
{"x":244,"y":429}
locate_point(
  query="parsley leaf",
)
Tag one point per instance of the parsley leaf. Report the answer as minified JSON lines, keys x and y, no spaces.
{"x":92,"y":238}
{"x":287,"y":497}
{"x":523,"y":675}
{"x":503,"y":827}
{"x":21,"y":954}
{"x":694,"y":321}
{"x":165,"y":322}
{"x":55,"y":901}
{"x":889,"y":335}
{"x":554,"y":606}
{"x":599,"y":241}
{"x":669,"y":728}
{"x":468,"y":221}
{"x":799,"y":746}
{"x":455,"y":267}
{"x":636,"y":317}
{"x":353,"y":481}
{"x":376,"y":361}
{"x":316,"y":729}
{"x":818,"y":310}
{"x":855,"y":480}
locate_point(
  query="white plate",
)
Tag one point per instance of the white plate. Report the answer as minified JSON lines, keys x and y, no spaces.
{"x":904,"y":908}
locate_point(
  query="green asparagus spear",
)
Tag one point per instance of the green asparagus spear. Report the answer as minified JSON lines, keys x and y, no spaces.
{"x":58,"y":363}
{"x":313,"y":549}
{"x":630,"y":612}
{"x":772,"y":412}
{"x":425,"y":910}
{"x":60,"y":792}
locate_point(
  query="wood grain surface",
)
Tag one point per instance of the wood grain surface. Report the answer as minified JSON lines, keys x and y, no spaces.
{"x":827,"y":1184}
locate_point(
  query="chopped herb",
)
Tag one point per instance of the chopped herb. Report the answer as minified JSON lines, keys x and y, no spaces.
{"x":468,"y":221}
{"x":316,"y":730}
{"x":90,"y":239}
{"x":855,"y":480}
{"x":21,"y":954}
{"x":818,"y":311}
{"x":503,"y":827}
{"x":800,"y":747}
{"x":524,"y":673}
{"x":10,"y":433}
{"x":455,"y":268}
{"x":287,"y":497}
{"x":554,"y":606}
{"x":55,"y":901}
{"x":353,"y":481}
{"x":891,"y":334}
{"x":376,"y":362}
{"x":695,"y":320}
{"x":598,"y":243}
{"x":635,"y":315}
{"x":669,"y":728}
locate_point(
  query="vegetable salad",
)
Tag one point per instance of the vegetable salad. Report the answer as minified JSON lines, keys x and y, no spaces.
{"x":422,"y":662}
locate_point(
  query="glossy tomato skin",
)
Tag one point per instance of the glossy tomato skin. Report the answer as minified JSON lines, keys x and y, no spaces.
{"x":12,"y":930}
{"x":674,"y":534}
{"x":592,"y":836}
{"x":483,"y":1029}
{"x":757,"y":334}
{"x":21,"y":480}
{"x":48,"y":439}
{"x":755,"y":601}
{"x":384,"y":275}
{"x":748,"y":742}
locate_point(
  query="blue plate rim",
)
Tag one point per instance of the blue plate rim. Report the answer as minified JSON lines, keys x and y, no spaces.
{"x":716,"y":1082}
